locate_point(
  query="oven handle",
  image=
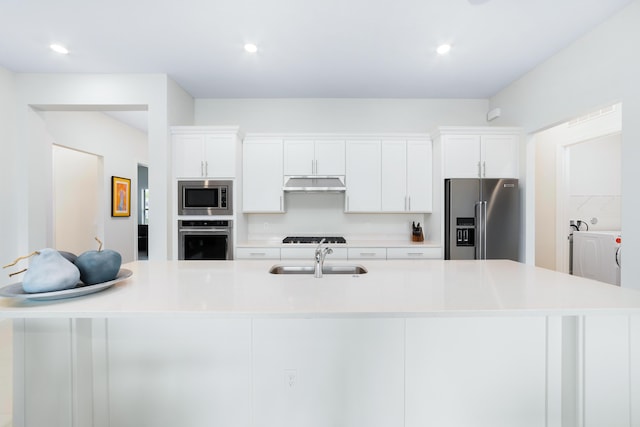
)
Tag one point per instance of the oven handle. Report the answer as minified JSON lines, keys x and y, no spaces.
{"x":204,"y":231}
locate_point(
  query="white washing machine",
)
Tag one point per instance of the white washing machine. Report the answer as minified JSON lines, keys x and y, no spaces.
{"x":597,"y":255}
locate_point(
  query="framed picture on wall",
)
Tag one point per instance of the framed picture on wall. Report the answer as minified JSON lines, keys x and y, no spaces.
{"x":120,"y":196}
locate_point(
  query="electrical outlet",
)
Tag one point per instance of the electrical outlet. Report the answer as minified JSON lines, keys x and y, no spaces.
{"x":290,"y":378}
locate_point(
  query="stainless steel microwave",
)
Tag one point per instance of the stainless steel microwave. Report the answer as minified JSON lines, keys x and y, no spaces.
{"x":205,"y":197}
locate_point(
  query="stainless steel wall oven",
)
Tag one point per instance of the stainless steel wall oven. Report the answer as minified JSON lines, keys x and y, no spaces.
{"x":205,"y":239}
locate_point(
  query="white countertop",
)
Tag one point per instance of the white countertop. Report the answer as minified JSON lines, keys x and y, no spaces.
{"x":390,"y":288}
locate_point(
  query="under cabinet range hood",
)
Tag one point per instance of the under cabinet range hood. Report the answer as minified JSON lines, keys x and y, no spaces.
{"x":314,"y":184}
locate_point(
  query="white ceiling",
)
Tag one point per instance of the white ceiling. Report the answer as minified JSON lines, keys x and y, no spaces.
{"x":315,"y":49}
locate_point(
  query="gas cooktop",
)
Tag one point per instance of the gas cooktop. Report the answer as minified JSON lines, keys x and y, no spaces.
{"x":314,"y":239}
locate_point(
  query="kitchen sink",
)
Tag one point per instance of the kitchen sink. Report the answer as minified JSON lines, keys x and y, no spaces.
{"x":308,"y":269}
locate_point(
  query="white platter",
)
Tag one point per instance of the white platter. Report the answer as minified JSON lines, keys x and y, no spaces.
{"x":15,"y":290}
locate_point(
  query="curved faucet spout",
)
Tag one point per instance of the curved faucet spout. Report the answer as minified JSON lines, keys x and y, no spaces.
{"x":319,"y":257}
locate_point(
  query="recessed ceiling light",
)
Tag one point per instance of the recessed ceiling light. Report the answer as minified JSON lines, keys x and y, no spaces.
{"x":58,"y":48}
{"x":251,"y":48}
{"x":443,"y":49}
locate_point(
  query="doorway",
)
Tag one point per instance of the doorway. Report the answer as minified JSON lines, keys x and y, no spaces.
{"x":77,"y":202}
{"x":577,"y":177}
{"x":143,"y":212}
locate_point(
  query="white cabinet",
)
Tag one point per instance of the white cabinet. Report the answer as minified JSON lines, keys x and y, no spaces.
{"x":363,"y":176}
{"x":328,"y":372}
{"x":258,"y":253}
{"x":414,"y":252}
{"x":473,"y":154}
{"x":314,"y":157}
{"x":499,"y":156}
{"x":262,"y":175}
{"x":175,"y":371}
{"x":407,"y":178}
{"x":493,"y":367}
{"x":367,"y":253}
{"x":204,"y":152}
{"x":308,"y":252}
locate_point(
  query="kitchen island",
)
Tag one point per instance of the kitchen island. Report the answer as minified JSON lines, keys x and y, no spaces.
{"x":409,"y":343}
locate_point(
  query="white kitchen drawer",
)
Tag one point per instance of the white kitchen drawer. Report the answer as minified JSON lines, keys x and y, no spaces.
{"x":257,"y":253}
{"x":414,"y":253}
{"x":367,"y":253}
{"x":309,"y":252}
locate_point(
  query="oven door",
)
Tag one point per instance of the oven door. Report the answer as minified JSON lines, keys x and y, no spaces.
{"x":205,"y":244}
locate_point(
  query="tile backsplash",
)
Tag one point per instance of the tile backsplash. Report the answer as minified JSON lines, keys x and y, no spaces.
{"x":605,"y":211}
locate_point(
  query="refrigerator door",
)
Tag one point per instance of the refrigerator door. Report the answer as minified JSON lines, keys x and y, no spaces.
{"x":461,"y":199}
{"x":500,"y":230}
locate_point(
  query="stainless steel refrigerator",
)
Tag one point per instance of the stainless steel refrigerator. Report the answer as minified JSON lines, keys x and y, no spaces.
{"x":482,"y":219}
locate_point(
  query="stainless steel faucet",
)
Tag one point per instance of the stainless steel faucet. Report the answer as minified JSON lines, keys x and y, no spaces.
{"x":319,"y":256}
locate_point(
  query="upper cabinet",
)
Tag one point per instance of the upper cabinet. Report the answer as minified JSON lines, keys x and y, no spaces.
{"x":262,"y":175}
{"x":305,"y":157}
{"x":389,"y":175}
{"x":363,"y":176}
{"x":480,"y":152}
{"x":205,"y":151}
{"x":407,"y":176}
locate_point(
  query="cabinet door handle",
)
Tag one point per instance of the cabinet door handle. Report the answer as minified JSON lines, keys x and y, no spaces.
{"x":202,"y":168}
{"x":409,"y":203}
{"x":313,"y":167}
{"x":484,"y":168}
{"x":415,"y":253}
{"x":367,"y":254}
{"x":206,"y":168}
{"x":257,"y":253}
{"x":281,"y":204}
{"x":479,"y":171}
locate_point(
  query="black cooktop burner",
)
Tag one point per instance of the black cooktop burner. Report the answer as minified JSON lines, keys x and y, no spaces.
{"x":316,"y":240}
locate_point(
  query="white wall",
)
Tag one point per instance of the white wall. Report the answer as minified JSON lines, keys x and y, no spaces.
{"x":340,"y":115}
{"x":9,"y":192}
{"x":595,"y":71}
{"x":595,"y":187}
{"x":121,"y":148}
{"x":78,"y":200}
{"x":166,"y":104}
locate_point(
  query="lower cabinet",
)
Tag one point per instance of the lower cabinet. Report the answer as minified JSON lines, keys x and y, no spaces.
{"x":308,"y":253}
{"x":481,"y":372}
{"x":367,"y":253}
{"x":486,"y":371}
{"x":179,"y":372}
{"x":328,"y":372}
{"x":258,"y":253}
{"x":414,"y":253}
{"x":359,"y":253}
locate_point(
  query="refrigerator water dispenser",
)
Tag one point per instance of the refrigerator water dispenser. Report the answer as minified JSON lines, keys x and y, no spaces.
{"x":465,"y":232}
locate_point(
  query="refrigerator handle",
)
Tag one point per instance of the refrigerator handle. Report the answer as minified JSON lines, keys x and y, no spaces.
{"x":484,"y":230}
{"x":478,"y":228}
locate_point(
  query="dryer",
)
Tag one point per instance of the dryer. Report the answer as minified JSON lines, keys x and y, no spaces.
{"x":597,"y":255}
